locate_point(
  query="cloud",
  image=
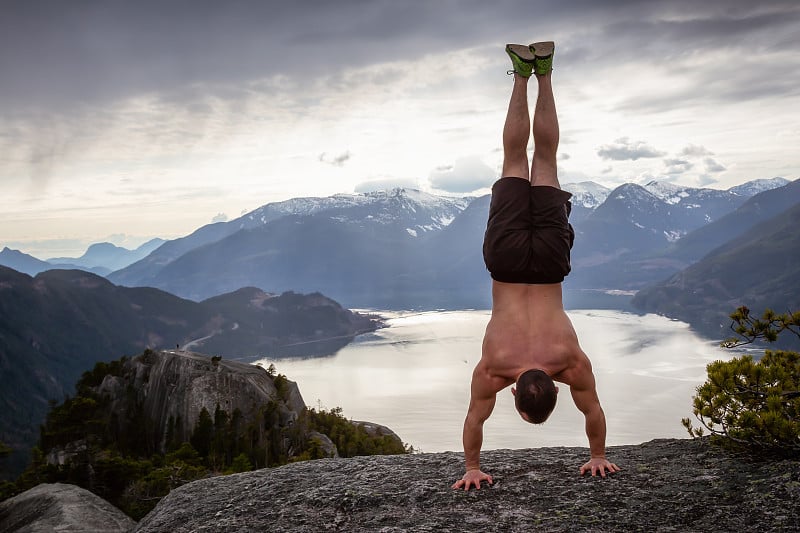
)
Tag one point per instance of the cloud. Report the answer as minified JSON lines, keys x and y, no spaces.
{"x":381,"y":184}
{"x":713,"y":166}
{"x":705,"y":179}
{"x":219,"y":217}
{"x":677,"y":166}
{"x":623,"y":149}
{"x":692,"y":150}
{"x":335,"y":160}
{"x":466,"y":175}
{"x":97,"y":50}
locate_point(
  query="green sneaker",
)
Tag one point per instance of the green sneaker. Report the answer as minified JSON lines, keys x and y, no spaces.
{"x":522,"y":59}
{"x":543,"y":57}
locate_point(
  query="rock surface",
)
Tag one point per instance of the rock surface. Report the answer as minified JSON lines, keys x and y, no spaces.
{"x":665,"y":485}
{"x":58,"y":507}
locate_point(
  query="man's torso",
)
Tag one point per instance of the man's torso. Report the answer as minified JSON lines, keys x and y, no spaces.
{"x":529,"y":329}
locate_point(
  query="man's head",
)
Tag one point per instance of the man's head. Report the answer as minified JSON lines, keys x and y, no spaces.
{"x":535,"y":396}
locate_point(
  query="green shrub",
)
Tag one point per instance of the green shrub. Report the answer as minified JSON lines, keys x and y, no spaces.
{"x":241,"y":463}
{"x":753,"y":404}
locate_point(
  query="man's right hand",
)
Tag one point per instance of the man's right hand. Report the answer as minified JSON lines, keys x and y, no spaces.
{"x":472,"y":477}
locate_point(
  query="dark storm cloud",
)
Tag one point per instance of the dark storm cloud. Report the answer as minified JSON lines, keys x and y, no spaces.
{"x":719,"y":52}
{"x":56,"y":53}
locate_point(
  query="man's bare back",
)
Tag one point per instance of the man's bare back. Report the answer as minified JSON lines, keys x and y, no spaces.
{"x":529,"y":329}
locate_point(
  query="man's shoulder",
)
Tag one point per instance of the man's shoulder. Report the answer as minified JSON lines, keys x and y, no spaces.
{"x":577,"y":371}
{"x":494,"y":373}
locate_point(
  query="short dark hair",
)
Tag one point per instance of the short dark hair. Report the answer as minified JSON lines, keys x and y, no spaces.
{"x":536,"y":395}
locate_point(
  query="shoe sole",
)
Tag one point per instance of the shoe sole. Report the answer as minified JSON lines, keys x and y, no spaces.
{"x":523,"y":52}
{"x":542,"y":50}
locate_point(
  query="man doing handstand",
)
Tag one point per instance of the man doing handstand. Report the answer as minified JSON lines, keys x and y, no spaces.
{"x":529,"y":340}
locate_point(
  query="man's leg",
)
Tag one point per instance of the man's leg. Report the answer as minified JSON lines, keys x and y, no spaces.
{"x":516,"y":131}
{"x":545,"y":135}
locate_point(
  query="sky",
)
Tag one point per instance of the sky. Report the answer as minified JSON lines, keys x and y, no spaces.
{"x":126,"y":120}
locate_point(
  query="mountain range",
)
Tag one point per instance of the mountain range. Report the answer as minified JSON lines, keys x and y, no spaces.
{"x":758,"y":269}
{"x":100,"y":258}
{"x":407,"y":249}
{"x":60,"y":323}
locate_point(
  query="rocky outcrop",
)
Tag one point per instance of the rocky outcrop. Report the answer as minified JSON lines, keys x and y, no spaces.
{"x":58,"y":507}
{"x":664,"y":485}
{"x":178,"y":385}
{"x":159,"y":398}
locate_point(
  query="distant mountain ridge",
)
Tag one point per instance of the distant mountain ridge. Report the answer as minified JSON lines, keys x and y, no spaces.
{"x":22,"y":262}
{"x":758,"y":269}
{"x":108,"y":256}
{"x":100,"y":258}
{"x":756,"y":209}
{"x":615,"y":243}
{"x":403,"y":247}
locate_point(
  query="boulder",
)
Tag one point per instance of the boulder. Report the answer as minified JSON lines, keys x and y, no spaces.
{"x":59,"y":507}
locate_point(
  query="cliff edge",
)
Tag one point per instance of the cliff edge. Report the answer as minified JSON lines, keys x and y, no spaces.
{"x":665,"y":485}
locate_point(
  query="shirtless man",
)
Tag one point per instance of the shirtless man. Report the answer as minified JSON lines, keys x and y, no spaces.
{"x":529,"y":340}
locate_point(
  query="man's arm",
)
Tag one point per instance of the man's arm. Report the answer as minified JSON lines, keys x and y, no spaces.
{"x":481,"y":405}
{"x":584,"y":394}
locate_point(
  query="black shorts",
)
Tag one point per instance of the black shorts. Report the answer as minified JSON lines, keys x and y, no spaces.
{"x":528,"y":237}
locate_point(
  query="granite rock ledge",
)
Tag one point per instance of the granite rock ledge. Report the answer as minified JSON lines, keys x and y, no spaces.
{"x":665,"y":485}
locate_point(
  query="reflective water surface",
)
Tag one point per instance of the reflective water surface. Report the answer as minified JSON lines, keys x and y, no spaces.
{"x":414,"y":378}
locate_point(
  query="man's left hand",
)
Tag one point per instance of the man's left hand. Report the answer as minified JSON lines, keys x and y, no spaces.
{"x":601,"y":465}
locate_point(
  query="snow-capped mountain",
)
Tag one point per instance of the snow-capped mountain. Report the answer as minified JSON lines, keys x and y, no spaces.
{"x":419,"y":211}
{"x":587,"y":194}
{"x":697,"y":206}
{"x":689,"y":197}
{"x":751,"y":188}
{"x":408,"y":213}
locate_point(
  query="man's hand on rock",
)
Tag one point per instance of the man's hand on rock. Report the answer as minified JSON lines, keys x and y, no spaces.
{"x":472,"y":477}
{"x":601,"y":465}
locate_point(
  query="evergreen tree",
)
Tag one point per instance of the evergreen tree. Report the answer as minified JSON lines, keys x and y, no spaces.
{"x":748,"y":403}
{"x":203,"y":433}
